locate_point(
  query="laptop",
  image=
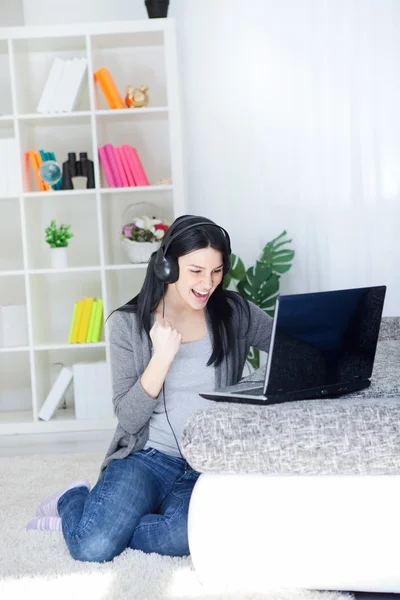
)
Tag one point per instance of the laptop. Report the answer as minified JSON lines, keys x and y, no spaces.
{"x":322,"y":344}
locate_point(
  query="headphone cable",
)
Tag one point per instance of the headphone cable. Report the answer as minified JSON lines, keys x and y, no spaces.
{"x":165,"y":407}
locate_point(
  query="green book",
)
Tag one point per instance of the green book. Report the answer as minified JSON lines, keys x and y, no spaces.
{"x":98,"y":323}
{"x":91,"y":322}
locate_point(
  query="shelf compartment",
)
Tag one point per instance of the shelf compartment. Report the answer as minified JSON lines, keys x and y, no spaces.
{"x":123,"y":285}
{"x":132,"y":59}
{"x":69,"y":135}
{"x":10,"y":186}
{"x":13,"y":293}
{"x":15,"y":386}
{"x":33,"y":59}
{"x":120,"y":209}
{"x":48,"y":365}
{"x":11,"y":255}
{"x":53,"y":300}
{"x":149,"y":135}
{"x":5,"y":96}
{"x":76,"y":210}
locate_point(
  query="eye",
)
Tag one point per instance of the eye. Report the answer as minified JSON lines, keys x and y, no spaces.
{"x":218,"y":270}
{"x":194,"y":271}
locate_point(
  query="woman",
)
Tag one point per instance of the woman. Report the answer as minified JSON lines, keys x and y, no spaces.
{"x":183,"y":333}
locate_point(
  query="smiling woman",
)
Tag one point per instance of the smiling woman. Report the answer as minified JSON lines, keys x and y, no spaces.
{"x":182,"y":333}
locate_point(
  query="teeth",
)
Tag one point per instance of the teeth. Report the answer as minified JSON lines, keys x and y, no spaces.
{"x":201,"y":293}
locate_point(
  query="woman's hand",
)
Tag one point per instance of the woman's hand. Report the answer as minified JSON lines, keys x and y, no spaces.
{"x":166,"y":340}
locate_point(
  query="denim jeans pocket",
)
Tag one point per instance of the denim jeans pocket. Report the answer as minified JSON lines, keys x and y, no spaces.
{"x":148,"y":451}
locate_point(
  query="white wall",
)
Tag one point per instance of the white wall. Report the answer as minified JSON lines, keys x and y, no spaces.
{"x":11,"y":13}
{"x":276,"y":133}
{"x":51,"y":12}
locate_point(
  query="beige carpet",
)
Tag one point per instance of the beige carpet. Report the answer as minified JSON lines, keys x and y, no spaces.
{"x":38,"y":565}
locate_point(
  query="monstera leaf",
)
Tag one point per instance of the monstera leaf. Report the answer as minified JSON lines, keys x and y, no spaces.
{"x":278,"y":260}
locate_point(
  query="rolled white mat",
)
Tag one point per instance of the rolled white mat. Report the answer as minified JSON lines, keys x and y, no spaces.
{"x":260,"y":532}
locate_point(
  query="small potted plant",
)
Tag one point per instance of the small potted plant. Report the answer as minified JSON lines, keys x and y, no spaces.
{"x":57,"y":238}
{"x":141,"y":237}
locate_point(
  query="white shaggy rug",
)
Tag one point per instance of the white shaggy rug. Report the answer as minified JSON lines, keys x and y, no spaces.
{"x":38,"y":565}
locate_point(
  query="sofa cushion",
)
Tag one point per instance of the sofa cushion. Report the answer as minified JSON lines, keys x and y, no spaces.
{"x":315,"y":437}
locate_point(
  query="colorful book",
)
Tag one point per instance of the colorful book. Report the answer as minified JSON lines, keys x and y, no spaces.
{"x":125,"y":164}
{"x":113,"y":165}
{"x":137,"y":167}
{"x":78,"y":318}
{"x":111,"y":87}
{"x":128,"y":163}
{"x":91,"y":322}
{"x":108,"y":87}
{"x":99,"y":78}
{"x":120,"y":166}
{"x":71,"y":330}
{"x":35,"y":168}
{"x":106,"y":166}
{"x":98,"y":324}
{"x":84,"y":324}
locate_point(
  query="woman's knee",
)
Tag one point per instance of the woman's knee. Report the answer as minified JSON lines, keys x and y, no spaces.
{"x":98,"y":548}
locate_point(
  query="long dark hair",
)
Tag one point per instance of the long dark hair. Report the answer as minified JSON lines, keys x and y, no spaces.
{"x":218,"y":306}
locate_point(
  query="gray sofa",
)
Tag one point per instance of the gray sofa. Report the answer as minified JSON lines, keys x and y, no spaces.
{"x":250,"y":508}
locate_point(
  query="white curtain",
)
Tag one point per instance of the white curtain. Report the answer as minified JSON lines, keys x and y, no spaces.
{"x":292,"y":121}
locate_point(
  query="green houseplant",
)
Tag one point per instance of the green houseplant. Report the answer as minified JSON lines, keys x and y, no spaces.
{"x":57,"y":238}
{"x":260,"y":283}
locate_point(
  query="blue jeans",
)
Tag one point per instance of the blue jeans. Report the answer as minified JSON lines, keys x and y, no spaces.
{"x":139,"y":502}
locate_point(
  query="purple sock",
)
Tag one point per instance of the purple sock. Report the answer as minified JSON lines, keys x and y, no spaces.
{"x":48,"y":507}
{"x":49,"y":523}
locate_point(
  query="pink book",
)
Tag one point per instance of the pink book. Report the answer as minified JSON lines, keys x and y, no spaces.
{"x":113,"y":165}
{"x":120,"y":167}
{"x":137,"y":167}
{"x":127,"y":164}
{"x":107,"y":169}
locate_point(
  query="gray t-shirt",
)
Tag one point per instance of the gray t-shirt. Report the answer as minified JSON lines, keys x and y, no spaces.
{"x":187,"y":376}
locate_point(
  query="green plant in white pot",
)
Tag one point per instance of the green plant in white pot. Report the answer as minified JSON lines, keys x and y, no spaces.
{"x":260,"y":283}
{"x":57,"y":238}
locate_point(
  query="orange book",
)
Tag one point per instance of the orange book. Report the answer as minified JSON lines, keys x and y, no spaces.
{"x":98,"y":77}
{"x":112,"y":88}
{"x":35,"y":168}
{"x":39,"y":162}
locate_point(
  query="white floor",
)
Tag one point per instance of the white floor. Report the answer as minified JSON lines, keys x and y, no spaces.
{"x":55,"y":443}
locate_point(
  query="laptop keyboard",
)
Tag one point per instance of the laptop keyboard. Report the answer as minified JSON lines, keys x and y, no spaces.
{"x":251,"y":392}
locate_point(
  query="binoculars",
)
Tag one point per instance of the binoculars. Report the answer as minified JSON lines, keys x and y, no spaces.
{"x":77,"y":168}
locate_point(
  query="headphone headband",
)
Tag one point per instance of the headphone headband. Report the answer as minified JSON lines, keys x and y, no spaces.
{"x":175,"y":235}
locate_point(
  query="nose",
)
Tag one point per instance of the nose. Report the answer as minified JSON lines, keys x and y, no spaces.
{"x":208,"y":281}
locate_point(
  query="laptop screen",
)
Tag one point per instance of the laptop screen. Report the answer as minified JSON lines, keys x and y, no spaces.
{"x":324,"y":338}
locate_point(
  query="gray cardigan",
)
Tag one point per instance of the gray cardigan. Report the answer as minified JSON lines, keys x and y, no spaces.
{"x":130,"y":355}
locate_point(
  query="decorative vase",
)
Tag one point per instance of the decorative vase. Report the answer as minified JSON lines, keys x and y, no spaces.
{"x":59,"y":258}
{"x":139,"y":252}
{"x":157,"y":9}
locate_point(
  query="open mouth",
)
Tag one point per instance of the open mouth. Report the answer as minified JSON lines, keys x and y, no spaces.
{"x":199,"y":296}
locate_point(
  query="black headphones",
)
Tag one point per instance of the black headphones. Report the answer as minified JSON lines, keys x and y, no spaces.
{"x":166,"y":268}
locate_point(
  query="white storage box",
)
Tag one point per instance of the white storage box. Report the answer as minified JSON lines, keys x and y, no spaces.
{"x":92,"y":391}
{"x":13,"y":326}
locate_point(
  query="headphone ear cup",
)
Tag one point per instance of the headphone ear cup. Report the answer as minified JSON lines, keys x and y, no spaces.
{"x":227,"y":266}
{"x":166,"y":268}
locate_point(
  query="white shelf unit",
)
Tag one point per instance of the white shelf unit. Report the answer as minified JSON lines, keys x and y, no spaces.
{"x":136,"y":52}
